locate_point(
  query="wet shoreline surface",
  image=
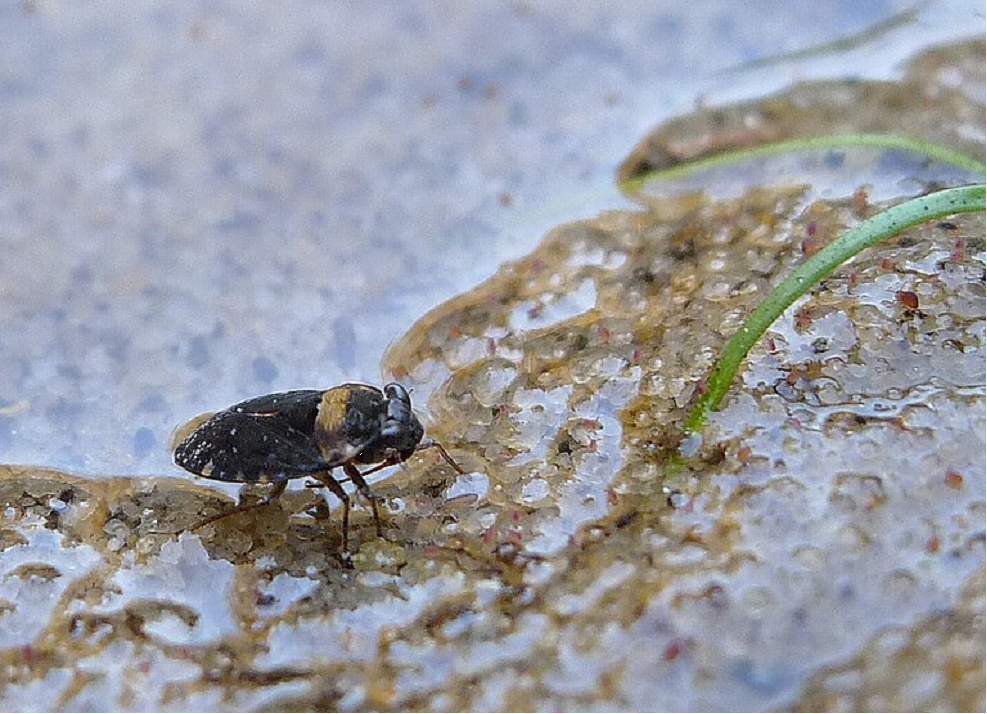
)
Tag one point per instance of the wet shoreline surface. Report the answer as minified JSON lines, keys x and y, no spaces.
{"x":823,"y":550}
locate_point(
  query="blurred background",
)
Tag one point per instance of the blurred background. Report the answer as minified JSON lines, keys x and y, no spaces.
{"x":204,"y":201}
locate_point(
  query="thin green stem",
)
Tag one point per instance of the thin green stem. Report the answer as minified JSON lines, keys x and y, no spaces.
{"x":831,"y":141}
{"x":894,"y":220}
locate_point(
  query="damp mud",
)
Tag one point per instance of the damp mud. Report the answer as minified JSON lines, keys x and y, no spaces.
{"x":822,"y":549}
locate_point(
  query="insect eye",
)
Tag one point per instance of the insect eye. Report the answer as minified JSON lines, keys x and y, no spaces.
{"x":396,"y":391}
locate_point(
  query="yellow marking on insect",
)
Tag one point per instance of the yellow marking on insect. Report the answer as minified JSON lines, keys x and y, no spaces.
{"x":332,"y":409}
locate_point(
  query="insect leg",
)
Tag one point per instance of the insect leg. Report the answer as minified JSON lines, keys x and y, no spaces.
{"x":276,"y":490}
{"x":372,"y":470}
{"x":357,"y":478}
{"x":325,"y":477}
{"x":378,"y":467}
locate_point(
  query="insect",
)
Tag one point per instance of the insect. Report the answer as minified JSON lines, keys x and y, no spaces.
{"x":307,"y":433}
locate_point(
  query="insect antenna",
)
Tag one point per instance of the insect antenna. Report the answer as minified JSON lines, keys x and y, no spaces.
{"x":433,"y":444}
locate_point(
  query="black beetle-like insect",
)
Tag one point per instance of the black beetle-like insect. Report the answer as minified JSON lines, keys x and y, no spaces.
{"x":307,"y":433}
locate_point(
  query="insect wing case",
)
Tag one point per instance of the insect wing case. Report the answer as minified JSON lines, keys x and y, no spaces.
{"x":268,"y":438}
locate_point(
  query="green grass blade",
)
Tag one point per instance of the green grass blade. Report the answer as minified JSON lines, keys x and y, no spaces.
{"x":890,"y":222}
{"x":829,"y":141}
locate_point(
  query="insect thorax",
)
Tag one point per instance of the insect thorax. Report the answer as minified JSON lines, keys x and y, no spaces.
{"x":348,"y":419}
